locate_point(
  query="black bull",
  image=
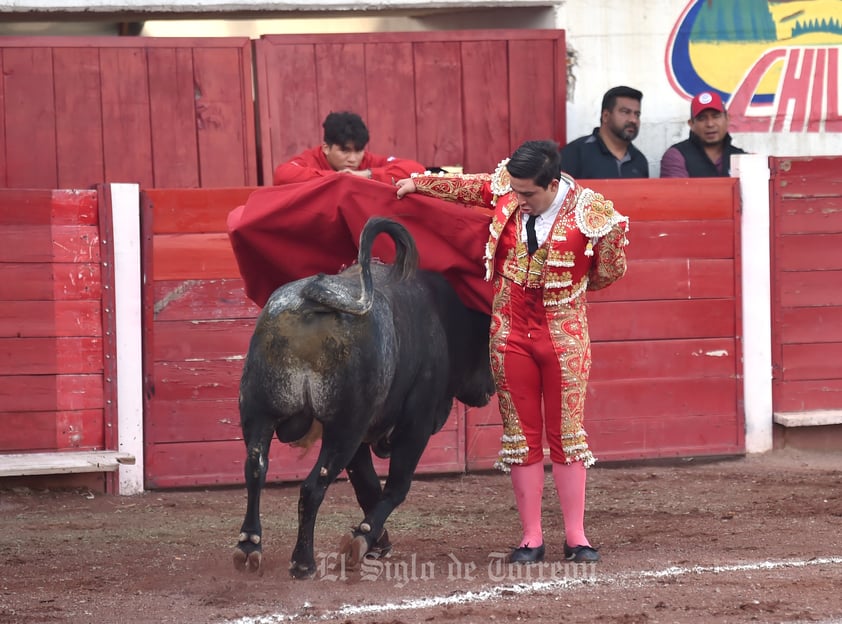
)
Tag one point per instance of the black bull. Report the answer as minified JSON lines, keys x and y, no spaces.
{"x":370,"y":360}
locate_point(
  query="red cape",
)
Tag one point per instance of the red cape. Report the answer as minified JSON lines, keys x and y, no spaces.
{"x":285,"y":233}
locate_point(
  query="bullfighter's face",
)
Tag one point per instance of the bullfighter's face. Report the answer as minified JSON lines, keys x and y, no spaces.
{"x":343,"y":157}
{"x":532,"y":198}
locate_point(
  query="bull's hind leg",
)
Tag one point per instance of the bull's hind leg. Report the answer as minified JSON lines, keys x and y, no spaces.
{"x":408,"y":444}
{"x":248,"y":555}
{"x":363,"y":477}
{"x":335,"y":454}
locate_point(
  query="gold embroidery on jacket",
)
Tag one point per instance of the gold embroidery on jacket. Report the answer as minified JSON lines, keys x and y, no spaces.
{"x":466,"y":188}
{"x":610,"y":261}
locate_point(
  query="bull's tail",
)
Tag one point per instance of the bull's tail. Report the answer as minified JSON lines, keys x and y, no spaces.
{"x":333,"y":293}
{"x":406,"y":256}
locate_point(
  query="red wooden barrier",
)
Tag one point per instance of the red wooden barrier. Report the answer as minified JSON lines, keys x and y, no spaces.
{"x":51,"y":359}
{"x":54,"y":395}
{"x":807,"y":283}
{"x":666,"y":374}
{"x":197,"y":326}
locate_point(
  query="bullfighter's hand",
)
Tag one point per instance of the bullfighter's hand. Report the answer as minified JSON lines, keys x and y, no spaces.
{"x":405,"y":186}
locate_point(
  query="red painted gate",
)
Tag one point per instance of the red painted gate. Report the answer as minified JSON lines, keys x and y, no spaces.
{"x":79,"y":111}
{"x":457,"y":98}
{"x":806,"y":198}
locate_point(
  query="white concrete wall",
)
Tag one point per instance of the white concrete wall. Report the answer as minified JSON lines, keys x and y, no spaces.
{"x":622,"y":43}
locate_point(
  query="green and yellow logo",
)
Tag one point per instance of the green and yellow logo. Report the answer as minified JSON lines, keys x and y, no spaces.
{"x":775,"y":63}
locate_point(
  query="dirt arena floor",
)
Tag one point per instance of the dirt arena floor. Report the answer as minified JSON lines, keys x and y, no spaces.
{"x":755,"y":539}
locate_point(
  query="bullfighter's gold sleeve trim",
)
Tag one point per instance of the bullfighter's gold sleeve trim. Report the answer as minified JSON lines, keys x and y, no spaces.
{"x":465,"y":188}
{"x":610,"y":262}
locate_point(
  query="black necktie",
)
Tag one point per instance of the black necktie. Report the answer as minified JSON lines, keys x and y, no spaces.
{"x":531,"y":239}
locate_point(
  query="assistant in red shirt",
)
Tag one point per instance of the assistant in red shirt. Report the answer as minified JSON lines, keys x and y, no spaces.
{"x":343,"y":151}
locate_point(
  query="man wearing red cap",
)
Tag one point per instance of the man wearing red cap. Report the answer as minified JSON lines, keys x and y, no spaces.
{"x":707,"y":153}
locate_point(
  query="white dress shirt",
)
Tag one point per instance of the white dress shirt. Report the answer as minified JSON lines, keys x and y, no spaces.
{"x":544,"y":221}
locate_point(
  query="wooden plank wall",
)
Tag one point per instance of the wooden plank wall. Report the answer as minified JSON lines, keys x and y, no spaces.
{"x":78,"y":111}
{"x":198,"y":325}
{"x":458,"y":98}
{"x":666,"y":368}
{"x":807,"y":283}
{"x":179,"y":112}
{"x":53,"y":395}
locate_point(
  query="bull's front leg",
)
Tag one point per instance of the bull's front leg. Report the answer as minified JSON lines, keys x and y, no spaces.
{"x":248,"y":555}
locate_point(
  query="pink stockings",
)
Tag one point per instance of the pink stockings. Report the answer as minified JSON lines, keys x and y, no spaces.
{"x":528,"y":484}
{"x":570,"y":485}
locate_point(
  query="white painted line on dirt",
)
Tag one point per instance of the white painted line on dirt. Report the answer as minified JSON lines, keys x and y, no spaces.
{"x":473,"y":597}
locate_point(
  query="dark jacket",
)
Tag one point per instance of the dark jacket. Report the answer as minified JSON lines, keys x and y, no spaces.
{"x":588,"y":158}
{"x":697,"y":161}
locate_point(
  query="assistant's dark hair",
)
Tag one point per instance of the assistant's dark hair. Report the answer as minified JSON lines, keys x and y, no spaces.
{"x":538,"y":161}
{"x":345,"y":127}
{"x":610,"y":97}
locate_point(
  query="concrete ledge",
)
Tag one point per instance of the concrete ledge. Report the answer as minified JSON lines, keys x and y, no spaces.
{"x":23,"y":464}
{"x":198,"y":7}
{"x":816,"y":418}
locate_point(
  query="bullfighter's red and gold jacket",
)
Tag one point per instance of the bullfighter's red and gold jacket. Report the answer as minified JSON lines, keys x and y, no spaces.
{"x":584,"y":251}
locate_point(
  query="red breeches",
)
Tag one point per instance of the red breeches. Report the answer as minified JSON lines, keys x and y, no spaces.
{"x":543,"y":376}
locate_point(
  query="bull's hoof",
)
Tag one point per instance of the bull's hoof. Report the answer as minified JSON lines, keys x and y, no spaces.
{"x":302,"y":571}
{"x":248,"y":562}
{"x":353,"y":548}
{"x":248,"y":555}
{"x":381,"y":547}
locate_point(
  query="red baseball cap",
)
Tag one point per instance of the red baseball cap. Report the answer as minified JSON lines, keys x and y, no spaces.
{"x":705,"y":100}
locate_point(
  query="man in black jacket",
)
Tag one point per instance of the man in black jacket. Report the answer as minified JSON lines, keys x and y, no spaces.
{"x":608,"y":151}
{"x":707,"y":153}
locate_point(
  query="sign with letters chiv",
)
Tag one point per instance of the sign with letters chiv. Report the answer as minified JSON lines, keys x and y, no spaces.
{"x":775,"y":63}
